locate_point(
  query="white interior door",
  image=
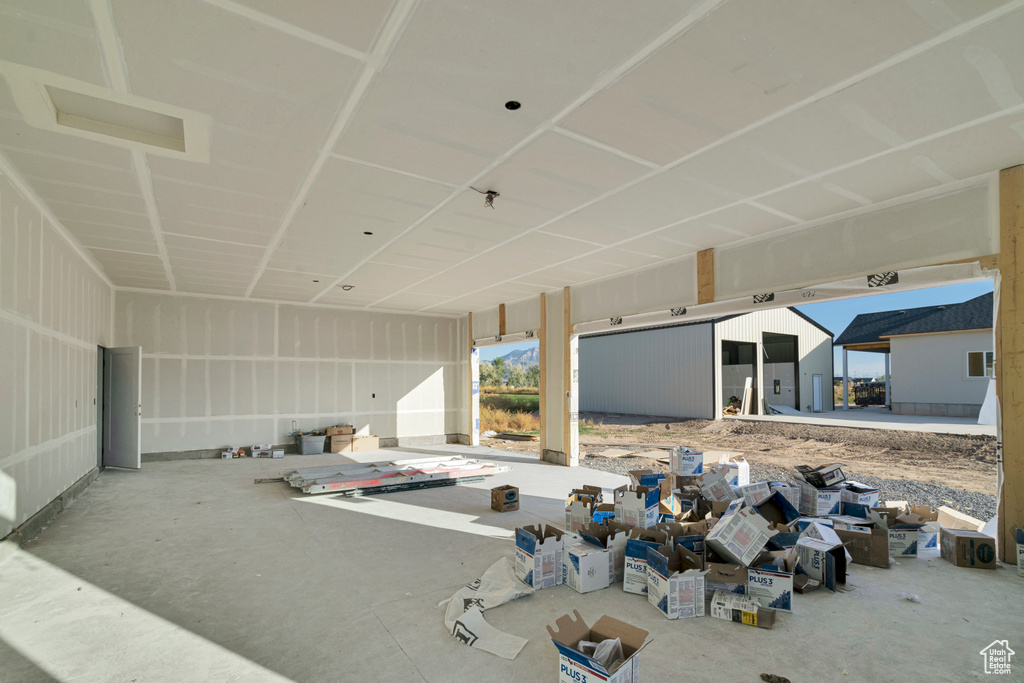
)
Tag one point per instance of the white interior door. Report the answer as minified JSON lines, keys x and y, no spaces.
{"x":122,"y":407}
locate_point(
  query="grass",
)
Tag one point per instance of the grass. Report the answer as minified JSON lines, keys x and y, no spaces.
{"x":507,"y":421}
{"x":521,"y":403}
{"x":521,"y":391}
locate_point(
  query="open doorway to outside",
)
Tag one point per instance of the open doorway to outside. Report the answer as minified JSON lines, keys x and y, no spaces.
{"x":509,"y":376}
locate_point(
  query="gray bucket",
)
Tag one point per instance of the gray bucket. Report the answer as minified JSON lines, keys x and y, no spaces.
{"x":311,"y":445}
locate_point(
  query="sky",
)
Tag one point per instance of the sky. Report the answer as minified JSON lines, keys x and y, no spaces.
{"x":836,"y":315}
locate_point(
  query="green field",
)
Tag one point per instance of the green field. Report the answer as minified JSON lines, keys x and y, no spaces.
{"x":518,"y":403}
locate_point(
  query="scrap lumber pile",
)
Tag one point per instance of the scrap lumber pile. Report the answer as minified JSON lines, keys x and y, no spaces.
{"x":364,"y":479}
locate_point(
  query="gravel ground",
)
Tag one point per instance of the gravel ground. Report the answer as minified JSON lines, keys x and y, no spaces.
{"x":979,"y":505}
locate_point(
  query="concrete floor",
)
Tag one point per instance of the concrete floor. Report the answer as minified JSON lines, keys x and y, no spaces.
{"x":880,"y":418}
{"x":187,"y":571}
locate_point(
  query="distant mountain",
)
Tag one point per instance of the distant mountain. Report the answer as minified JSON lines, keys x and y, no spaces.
{"x":526,"y":357}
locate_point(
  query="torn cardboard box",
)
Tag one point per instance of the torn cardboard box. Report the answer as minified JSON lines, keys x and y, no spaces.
{"x":967,"y":548}
{"x":648,"y":478}
{"x":953,"y":519}
{"x":576,"y":667}
{"x":735,"y":470}
{"x":755,"y":493}
{"x":789,"y":490}
{"x":822,"y":561}
{"x":743,"y":609}
{"x":770,"y":580}
{"x":586,"y":567}
{"x":580,"y":506}
{"x":539,"y":555}
{"x":340,"y":429}
{"x":819,"y":502}
{"x":637,"y":506}
{"x":714,"y":485}
{"x":740,"y":534}
{"x":727,"y":578}
{"x":612,"y":536}
{"x":685,"y":461}
{"x":675,"y":582}
{"x":822,"y":477}
{"x":634,"y":577}
{"x":855,"y":492}
{"x":866,"y":546}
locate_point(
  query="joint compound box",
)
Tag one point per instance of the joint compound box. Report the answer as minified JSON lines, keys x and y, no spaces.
{"x":736,"y":472}
{"x":585,"y":566}
{"x":771,"y":580}
{"x":755,"y":493}
{"x":685,"y":461}
{"x":855,"y":492}
{"x":727,"y":578}
{"x":634,"y":576}
{"x":576,"y":667}
{"x":637,"y":506}
{"x":743,"y":609}
{"x":690,"y":535}
{"x":648,"y":478}
{"x":739,"y":535}
{"x":822,"y":477}
{"x":822,"y":561}
{"x":612,"y":536}
{"x":714,"y":485}
{"x":820,"y":502}
{"x":866,"y":546}
{"x":505,"y":498}
{"x":778,"y":509}
{"x":340,"y":429}
{"x":966,"y":548}
{"x":580,"y":506}
{"x":675,"y":582}
{"x":539,"y":555}
{"x":790,"y":491}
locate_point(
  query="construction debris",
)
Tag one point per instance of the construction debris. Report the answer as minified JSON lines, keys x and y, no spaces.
{"x":371,"y":478}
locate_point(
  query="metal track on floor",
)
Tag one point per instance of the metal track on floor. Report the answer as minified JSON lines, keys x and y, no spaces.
{"x":362,"y":479}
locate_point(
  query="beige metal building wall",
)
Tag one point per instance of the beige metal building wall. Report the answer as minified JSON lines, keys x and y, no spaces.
{"x":54,"y":310}
{"x":813,"y":345}
{"x":664,"y":372}
{"x":220,"y":372}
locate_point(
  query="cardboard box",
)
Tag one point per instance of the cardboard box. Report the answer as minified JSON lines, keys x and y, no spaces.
{"x":341,"y":443}
{"x":778,"y":509}
{"x":822,"y":561}
{"x":770,"y":580}
{"x":822,"y":477}
{"x":576,"y":667}
{"x":690,"y":535}
{"x":648,"y":478}
{"x":952,"y":519}
{"x":743,"y":609}
{"x":634,"y":575}
{"x":820,"y":502}
{"x":505,"y":498}
{"x":789,"y":490}
{"x":637,"y":506}
{"x":714,"y":485}
{"x":341,"y":430}
{"x":755,"y":493}
{"x":866,"y":546}
{"x":612,"y":536}
{"x":579,"y":508}
{"x":803,"y":522}
{"x":903,"y":542}
{"x":586,"y":566}
{"x":727,"y":578}
{"x":739,"y":535}
{"x":539,"y":555}
{"x":685,"y":461}
{"x":855,"y":492}
{"x":365,"y":443}
{"x":735,"y":471}
{"x":675,"y":582}
{"x":967,"y":548}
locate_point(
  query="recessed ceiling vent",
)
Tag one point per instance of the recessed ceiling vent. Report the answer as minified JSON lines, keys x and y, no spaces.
{"x":96,"y":115}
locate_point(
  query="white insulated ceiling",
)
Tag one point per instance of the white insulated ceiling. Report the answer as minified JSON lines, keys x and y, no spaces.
{"x":646,"y":132}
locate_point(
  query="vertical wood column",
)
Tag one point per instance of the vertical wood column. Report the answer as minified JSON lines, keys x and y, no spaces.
{"x":1010,"y":357}
{"x":543,"y":366}
{"x":705,"y":276}
{"x":501,"y":320}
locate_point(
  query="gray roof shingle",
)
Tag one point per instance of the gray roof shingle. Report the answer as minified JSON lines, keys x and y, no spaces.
{"x":973,"y":314}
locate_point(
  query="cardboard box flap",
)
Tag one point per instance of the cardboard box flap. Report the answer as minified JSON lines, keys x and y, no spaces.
{"x":633,"y":638}
{"x":953,"y":519}
{"x":777,"y":508}
{"x":823,"y":476}
{"x":925,"y":512}
{"x":569,"y":631}
{"x":866,"y":546}
{"x":646,"y":478}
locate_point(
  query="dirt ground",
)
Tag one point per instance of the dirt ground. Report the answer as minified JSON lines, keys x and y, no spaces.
{"x":961,"y":462}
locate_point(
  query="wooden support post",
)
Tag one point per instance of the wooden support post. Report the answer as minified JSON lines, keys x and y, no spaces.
{"x":501,"y":320}
{"x":566,"y":369}
{"x":705,"y":276}
{"x":542,"y":333}
{"x":1010,"y":357}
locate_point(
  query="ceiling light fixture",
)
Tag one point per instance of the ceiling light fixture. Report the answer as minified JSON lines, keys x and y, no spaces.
{"x":491,"y":195}
{"x":512,"y":105}
{"x":316,"y":281}
{"x":367,"y":232}
{"x":346,"y":287}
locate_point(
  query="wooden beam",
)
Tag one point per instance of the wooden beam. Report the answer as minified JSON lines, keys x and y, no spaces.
{"x":501,"y":320}
{"x":990,"y":262}
{"x":1010,"y":356}
{"x":705,"y":276}
{"x":469,"y":373}
{"x":566,"y":368}
{"x":543,"y":366}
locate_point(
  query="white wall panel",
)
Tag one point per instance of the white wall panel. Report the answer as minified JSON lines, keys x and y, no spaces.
{"x":523,"y":315}
{"x":665,"y":372}
{"x":222,"y":366}
{"x":932,"y":368}
{"x":54,"y":310}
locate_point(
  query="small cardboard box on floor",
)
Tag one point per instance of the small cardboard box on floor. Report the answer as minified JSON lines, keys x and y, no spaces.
{"x":770,"y":580}
{"x":966,"y":548}
{"x":743,"y":609}
{"x":822,"y":561}
{"x":612,"y":536}
{"x":586,"y":567}
{"x":348,"y":443}
{"x":685,"y":461}
{"x":634,"y":577}
{"x":576,"y":667}
{"x":340,"y":430}
{"x":539,"y":555}
{"x":637,"y":506}
{"x":675,"y":582}
{"x":505,"y":498}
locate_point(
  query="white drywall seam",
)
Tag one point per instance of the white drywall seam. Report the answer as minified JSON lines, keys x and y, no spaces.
{"x":395,"y":23}
{"x":32,"y":451}
{"x":117,"y":73}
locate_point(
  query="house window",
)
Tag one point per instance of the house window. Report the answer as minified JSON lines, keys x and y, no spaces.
{"x":981,"y":364}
